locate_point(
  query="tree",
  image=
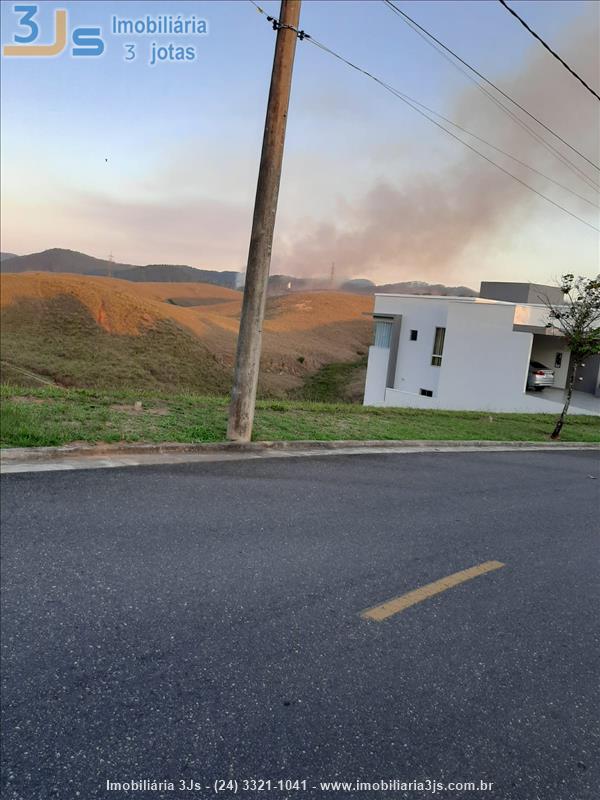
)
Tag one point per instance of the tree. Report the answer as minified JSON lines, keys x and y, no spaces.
{"x":578,"y":319}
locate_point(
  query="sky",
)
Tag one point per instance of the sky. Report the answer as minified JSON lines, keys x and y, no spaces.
{"x":158,"y":163}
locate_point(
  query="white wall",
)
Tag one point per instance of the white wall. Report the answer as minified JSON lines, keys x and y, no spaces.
{"x":414,"y":370}
{"x":485,"y":362}
{"x":484,"y":365}
{"x":549,"y":401}
{"x":377,"y":367}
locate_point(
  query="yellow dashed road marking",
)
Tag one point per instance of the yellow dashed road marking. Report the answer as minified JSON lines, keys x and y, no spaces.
{"x":385,"y":610}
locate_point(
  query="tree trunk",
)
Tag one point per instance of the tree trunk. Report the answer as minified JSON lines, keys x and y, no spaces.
{"x":568,"y":392}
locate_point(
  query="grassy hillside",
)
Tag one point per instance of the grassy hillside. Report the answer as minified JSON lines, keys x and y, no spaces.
{"x":60,"y":340}
{"x":91,"y":332}
{"x":336,"y":383}
{"x":180,"y":273}
{"x":53,"y":416}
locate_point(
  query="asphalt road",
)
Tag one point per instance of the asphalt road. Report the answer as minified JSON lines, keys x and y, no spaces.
{"x":201,"y":622}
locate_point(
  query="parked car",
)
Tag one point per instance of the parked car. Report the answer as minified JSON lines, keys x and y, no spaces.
{"x":539,"y":376}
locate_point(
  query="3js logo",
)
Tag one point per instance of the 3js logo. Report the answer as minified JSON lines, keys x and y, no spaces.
{"x":85,"y":41}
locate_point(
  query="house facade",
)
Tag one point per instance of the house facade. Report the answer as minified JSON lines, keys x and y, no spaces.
{"x":463,"y":353}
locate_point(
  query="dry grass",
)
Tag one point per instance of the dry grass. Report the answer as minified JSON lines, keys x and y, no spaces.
{"x":309,"y":310}
{"x":111,"y":302}
{"x":192,"y":291}
{"x":302,"y":332}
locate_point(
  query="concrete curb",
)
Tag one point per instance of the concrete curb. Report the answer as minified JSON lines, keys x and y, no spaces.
{"x":70,"y":451}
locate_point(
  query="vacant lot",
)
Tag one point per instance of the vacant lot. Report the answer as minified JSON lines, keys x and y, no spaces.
{"x":54,"y":416}
{"x":86,"y":332}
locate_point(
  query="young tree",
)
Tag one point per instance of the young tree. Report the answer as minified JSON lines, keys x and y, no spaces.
{"x":579,"y":320}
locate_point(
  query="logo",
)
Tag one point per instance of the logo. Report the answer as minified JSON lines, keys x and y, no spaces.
{"x":85,"y":41}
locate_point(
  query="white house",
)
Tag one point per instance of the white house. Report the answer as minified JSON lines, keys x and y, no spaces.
{"x":472,"y":353}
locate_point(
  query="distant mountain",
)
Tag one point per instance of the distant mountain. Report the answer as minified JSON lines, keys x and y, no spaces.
{"x":358,"y":285}
{"x":284,"y":284}
{"x":419,"y":287}
{"x":6,"y":256}
{"x":362,"y":286}
{"x":60,"y":260}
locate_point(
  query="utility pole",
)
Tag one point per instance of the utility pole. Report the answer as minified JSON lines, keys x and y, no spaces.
{"x":247,"y":362}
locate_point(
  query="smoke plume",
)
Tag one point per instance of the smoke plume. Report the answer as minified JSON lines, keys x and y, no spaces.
{"x":419,"y":228}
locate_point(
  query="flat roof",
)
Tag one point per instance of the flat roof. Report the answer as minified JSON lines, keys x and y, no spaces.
{"x":450,"y":298}
{"x":455,"y":299}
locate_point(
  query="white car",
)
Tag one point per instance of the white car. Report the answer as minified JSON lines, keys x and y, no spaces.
{"x":539,"y":376}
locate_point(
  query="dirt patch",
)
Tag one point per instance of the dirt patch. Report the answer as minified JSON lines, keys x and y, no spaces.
{"x":138,"y":408}
{"x":125,"y":409}
{"x":36,"y":401}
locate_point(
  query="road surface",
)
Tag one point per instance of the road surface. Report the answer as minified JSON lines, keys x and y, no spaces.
{"x":202,"y":622}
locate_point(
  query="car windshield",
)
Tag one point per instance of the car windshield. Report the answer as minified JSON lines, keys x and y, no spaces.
{"x":537,"y":365}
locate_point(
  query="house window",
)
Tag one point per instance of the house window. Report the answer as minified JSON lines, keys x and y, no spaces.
{"x":383,"y":333}
{"x":558,"y":361}
{"x":413,"y":336}
{"x":438,"y":347}
{"x":426,"y":392}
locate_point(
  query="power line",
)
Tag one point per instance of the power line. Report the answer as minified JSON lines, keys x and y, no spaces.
{"x":528,"y":129}
{"x":437,"y":44}
{"x":499,"y":150}
{"x":548,"y":48}
{"x":405,"y":96}
{"x":398,"y":94}
{"x":401,"y":13}
{"x":415,"y":107}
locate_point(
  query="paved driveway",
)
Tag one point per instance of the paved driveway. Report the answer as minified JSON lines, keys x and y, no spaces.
{"x":551,"y":401}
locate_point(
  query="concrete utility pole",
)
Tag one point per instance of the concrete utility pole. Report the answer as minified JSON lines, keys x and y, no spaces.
{"x":245,"y":381}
